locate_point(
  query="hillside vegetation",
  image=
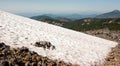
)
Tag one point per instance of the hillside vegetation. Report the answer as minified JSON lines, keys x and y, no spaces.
{"x":94,"y":24}
{"x":82,"y":24}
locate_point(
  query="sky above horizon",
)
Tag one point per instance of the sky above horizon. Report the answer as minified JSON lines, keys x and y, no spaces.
{"x":59,"y":6}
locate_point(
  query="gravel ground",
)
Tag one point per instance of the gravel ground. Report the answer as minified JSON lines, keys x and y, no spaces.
{"x":24,"y":57}
{"x":113,"y":59}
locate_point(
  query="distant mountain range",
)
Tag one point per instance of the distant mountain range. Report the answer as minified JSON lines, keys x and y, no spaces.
{"x":79,"y":22}
{"x":60,"y":19}
{"x":113,"y":14}
{"x":52,"y":20}
{"x":70,"y":16}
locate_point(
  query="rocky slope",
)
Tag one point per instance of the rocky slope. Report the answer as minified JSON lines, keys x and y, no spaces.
{"x":113,"y":59}
{"x":23,"y":57}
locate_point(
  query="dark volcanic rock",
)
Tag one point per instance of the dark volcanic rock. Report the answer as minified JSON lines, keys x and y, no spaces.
{"x":45,"y":45}
{"x":3,"y":46}
{"x":4,"y":63}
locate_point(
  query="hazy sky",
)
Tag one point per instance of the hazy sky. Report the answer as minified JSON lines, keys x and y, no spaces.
{"x":59,"y":6}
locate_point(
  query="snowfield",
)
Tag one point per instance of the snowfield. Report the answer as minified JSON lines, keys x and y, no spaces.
{"x":71,"y":46}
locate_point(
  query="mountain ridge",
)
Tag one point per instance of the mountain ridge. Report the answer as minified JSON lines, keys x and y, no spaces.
{"x":112,"y":14}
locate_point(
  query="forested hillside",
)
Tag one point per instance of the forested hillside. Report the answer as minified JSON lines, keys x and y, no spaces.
{"x":94,"y":24}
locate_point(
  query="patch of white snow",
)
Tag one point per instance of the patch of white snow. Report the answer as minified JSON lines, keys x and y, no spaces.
{"x":71,"y":46}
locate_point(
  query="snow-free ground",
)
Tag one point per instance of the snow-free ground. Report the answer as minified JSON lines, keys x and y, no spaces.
{"x":71,"y":46}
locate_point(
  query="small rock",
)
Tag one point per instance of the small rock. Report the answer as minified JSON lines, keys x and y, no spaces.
{"x":5,"y":63}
